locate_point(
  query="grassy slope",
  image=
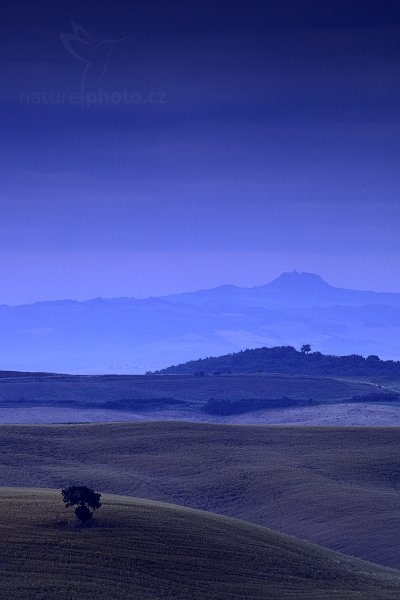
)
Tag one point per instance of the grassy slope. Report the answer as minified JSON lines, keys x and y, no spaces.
{"x":51,"y":390}
{"x":335,"y":487}
{"x":148,"y":550}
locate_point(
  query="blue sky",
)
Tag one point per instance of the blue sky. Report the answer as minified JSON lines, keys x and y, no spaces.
{"x":224,"y":143}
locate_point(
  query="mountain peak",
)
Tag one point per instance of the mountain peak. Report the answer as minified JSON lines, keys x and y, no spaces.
{"x":297,"y":280}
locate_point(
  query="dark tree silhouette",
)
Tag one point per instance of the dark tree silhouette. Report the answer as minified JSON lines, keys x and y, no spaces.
{"x":306,"y":348}
{"x":83,"y":498}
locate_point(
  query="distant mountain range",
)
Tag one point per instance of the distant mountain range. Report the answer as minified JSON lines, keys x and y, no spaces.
{"x":127,"y":335}
{"x":288,"y":290}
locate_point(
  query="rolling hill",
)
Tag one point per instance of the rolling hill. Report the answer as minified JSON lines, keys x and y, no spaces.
{"x":153,"y":391}
{"x":147,"y":550}
{"x":237,"y":398}
{"x":128,"y":335}
{"x":336,"y":487}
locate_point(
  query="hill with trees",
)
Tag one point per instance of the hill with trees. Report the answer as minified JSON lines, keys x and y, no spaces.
{"x":288,"y":360}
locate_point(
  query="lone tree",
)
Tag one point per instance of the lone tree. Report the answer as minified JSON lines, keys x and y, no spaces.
{"x":306,"y":348}
{"x":83,"y":498}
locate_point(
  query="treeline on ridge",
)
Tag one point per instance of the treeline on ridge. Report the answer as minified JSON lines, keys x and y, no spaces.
{"x":225,"y":407}
{"x":288,"y":360}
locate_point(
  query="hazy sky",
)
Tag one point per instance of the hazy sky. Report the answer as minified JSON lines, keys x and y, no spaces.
{"x":217,"y":143}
